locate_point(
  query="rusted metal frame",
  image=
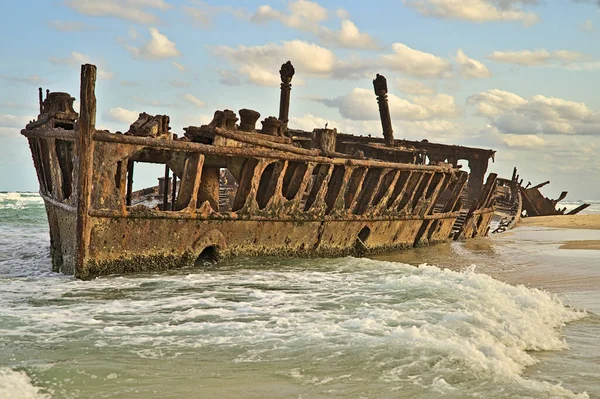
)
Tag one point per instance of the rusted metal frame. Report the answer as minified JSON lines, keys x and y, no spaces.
{"x":439,"y":189}
{"x":295,"y":178}
{"x":55,"y":170}
{"x":250,"y":204}
{"x":267,"y":192}
{"x":243,"y":152}
{"x":420,"y":193}
{"x":57,"y":133}
{"x":86,"y":123}
{"x":234,"y":216}
{"x":488,"y":191}
{"x":338,"y":201}
{"x":245,"y":182}
{"x":277,"y":198}
{"x":378,"y":187}
{"x":365,"y":195}
{"x":42,"y":147}
{"x":59,"y":204}
{"x":319,"y":202}
{"x":36,"y":162}
{"x":173,"y":191}
{"x":130,"y":168}
{"x":377,"y":209}
{"x":413,"y":190}
{"x":243,"y":138}
{"x":297,"y":202}
{"x":167,"y":177}
{"x":456,"y":191}
{"x":195,"y":165}
{"x":398,"y":200}
{"x":350,"y":207}
{"x":37,"y":156}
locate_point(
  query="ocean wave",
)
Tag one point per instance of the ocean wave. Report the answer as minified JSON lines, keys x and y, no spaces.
{"x":18,"y":385}
{"x":17,"y":200}
{"x":391,"y":321}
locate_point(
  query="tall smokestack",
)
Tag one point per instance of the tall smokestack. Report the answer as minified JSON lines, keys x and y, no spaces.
{"x":286,"y":72}
{"x":380,"y":86}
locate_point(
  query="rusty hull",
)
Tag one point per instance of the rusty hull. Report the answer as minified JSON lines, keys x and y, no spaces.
{"x":536,"y":204}
{"x":289,"y":200}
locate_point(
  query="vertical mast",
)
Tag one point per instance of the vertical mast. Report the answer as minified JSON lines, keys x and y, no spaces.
{"x":380,"y":86}
{"x":286,"y":72}
{"x":86,"y":123}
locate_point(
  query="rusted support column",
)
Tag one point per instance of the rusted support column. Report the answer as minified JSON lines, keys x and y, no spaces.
{"x":166,"y":188}
{"x":174,"y":193}
{"x":324,"y":140}
{"x":209,"y":187}
{"x":380,"y":86}
{"x":478,"y":168}
{"x":129,"y":182}
{"x":87,"y":123}
{"x":286,"y":73}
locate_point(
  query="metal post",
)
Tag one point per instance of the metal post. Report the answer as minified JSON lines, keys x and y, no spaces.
{"x":87,"y":126}
{"x":166,"y":189}
{"x":380,"y":86}
{"x":286,"y":73}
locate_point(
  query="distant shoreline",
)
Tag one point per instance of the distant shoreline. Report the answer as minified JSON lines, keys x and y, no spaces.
{"x":590,"y":222}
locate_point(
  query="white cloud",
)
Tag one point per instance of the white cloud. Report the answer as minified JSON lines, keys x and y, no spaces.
{"x":414,"y":87}
{"x":259,"y":63}
{"x":535,"y":57}
{"x":361,"y":104}
{"x":349,"y":36}
{"x":67,"y":26}
{"x":470,"y":68}
{"x":512,"y":114}
{"x":14,"y":121}
{"x":194,"y":100}
{"x":415,"y":62}
{"x":120,"y":114}
{"x":131,"y":10}
{"x":152,"y":103}
{"x":32,"y":79}
{"x":302,"y":14}
{"x":442,"y":130}
{"x":308,"y":16}
{"x":342,"y":13}
{"x":478,"y":11}
{"x":178,"y":66}
{"x":203,"y":14}
{"x":495,"y":102}
{"x":229,"y":78}
{"x":76,"y":59}
{"x":158,"y":47}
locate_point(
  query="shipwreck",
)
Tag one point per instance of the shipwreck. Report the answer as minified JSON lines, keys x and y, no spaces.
{"x":231,"y":189}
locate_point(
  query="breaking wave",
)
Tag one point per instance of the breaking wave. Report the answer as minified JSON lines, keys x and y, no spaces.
{"x":18,"y":385}
{"x":402,"y":326}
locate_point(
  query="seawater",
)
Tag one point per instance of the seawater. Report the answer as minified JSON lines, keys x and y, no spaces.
{"x":276,"y":328}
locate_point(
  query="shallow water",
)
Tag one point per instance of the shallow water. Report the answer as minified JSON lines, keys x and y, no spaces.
{"x":333,"y":328}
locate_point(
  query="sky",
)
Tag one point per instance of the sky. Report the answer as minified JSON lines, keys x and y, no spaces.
{"x":519,"y":76}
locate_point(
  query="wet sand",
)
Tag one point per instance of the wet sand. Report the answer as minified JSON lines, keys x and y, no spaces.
{"x":591,"y":222}
{"x":583,"y":244}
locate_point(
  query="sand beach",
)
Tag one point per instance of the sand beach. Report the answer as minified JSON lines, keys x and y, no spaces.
{"x":586,"y":222}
